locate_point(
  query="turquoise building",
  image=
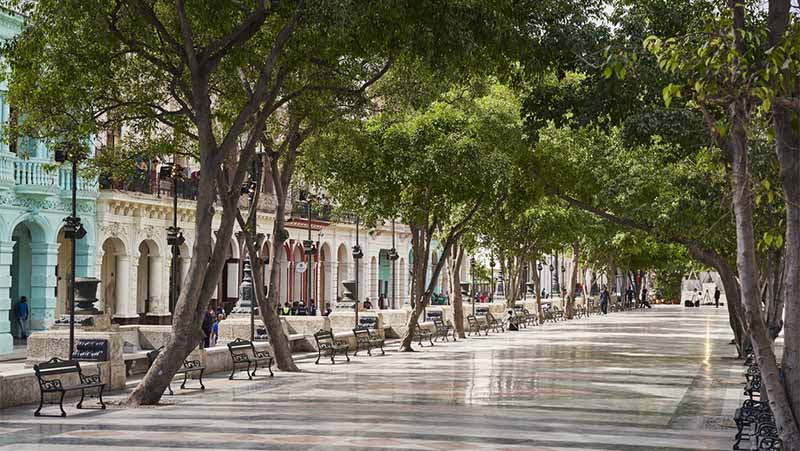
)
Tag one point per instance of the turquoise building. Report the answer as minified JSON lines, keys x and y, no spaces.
{"x":34,"y":200}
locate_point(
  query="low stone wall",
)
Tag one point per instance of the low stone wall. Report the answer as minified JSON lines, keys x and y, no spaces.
{"x":20,"y":387}
{"x":395,"y":322}
{"x":43,"y":346}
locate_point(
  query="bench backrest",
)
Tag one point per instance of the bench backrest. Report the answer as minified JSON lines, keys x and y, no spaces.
{"x":472,"y":319}
{"x":361,"y":333}
{"x":240,"y":345}
{"x":323,"y":337}
{"x":56,"y":366}
{"x":438,"y":322}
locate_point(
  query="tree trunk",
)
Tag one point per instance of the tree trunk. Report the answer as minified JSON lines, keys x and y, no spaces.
{"x":420,"y":248}
{"x":774,"y":293}
{"x":538,"y":281}
{"x":573,"y":277}
{"x":268,"y":306}
{"x":193,"y":300}
{"x":787,"y":148}
{"x":746,"y":259}
{"x":455,"y":287}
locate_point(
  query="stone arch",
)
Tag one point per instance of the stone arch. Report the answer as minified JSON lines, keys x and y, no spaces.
{"x":33,"y":262}
{"x":114,"y":292}
{"x":83,"y":265}
{"x":343,"y":268}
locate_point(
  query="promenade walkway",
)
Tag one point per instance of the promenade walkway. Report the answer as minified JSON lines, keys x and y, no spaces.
{"x":659,"y":379}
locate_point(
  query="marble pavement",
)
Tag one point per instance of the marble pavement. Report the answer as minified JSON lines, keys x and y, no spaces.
{"x":660,"y":379}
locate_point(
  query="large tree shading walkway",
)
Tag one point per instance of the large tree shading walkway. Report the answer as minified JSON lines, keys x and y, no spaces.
{"x":652,"y":380}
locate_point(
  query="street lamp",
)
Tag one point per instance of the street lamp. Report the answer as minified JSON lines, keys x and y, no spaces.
{"x":308,"y":246}
{"x":357,"y":255}
{"x":491,"y":266}
{"x":474,"y":290}
{"x":174,"y":234}
{"x":525,"y":283}
{"x":563,"y":277}
{"x":74,"y":231}
{"x":539,"y":267}
{"x":393,"y":256}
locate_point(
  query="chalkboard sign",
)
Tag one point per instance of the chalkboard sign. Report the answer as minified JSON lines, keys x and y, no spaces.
{"x":519,"y":307}
{"x":86,"y":349}
{"x":433,"y":314}
{"x":370,"y":322}
{"x":261,"y":334}
{"x":481,"y":311}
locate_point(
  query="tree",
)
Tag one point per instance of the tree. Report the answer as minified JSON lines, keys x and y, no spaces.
{"x":222,"y":76}
{"x":415,"y":165}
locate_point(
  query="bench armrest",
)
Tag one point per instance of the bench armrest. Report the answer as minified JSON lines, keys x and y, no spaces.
{"x":90,"y":379}
{"x":262,"y":355}
{"x":192,"y":364}
{"x":50,"y":385}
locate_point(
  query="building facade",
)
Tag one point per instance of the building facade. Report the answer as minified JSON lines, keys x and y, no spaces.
{"x":34,"y":200}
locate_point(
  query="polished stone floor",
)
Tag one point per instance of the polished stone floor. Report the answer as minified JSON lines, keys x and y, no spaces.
{"x":660,"y":379}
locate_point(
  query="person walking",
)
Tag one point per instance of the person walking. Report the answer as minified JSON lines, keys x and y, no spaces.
{"x":645,"y":301}
{"x":604,"y":298}
{"x":208,"y":324}
{"x":215,"y":329}
{"x":21,"y":312}
{"x":717,"y":294}
{"x":695,"y":298}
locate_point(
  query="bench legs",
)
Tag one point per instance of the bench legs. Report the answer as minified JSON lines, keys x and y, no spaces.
{"x":319,"y":356}
{"x":200,"y":379}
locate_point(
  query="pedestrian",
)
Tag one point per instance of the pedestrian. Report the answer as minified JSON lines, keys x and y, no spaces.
{"x":312,"y":308}
{"x":21,"y":312}
{"x":604,"y":298}
{"x":327,"y":310}
{"x":295,"y":307}
{"x":301,"y":309}
{"x":717,"y":294}
{"x":482,"y":298}
{"x":629,"y":297}
{"x":286,"y":310}
{"x":215,"y":329}
{"x":695,"y":298}
{"x":208,"y":323}
{"x":645,"y":301}
{"x":367,"y":304}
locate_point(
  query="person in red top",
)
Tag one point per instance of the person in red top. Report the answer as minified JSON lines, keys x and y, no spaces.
{"x":482,"y":299}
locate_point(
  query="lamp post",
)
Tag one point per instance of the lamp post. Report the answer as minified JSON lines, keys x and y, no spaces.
{"x":393,"y":256}
{"x":74,"y":231}
{"x":539,"y":267}
{"x":552,"y":271}
{"x":472,"y":271}
{"x":174,"y":234}
{"x":492,"y":283}
{"x":563,"y":278}
{"x":525,"y":283}
{"x":357,"y":254}
{"x":308,"y":246}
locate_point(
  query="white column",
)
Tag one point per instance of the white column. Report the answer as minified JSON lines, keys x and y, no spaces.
{"x":157,"y":293}
{"x":6,"y":254}
{"x":44,"y":258}
{"x":126,"y":277}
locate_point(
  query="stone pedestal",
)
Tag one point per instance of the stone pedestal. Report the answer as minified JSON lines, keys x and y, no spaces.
{"x":42,"y":346}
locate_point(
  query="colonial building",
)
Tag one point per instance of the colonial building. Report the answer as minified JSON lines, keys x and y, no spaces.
{"x":34,"y":200}
{"x":133,"y":259}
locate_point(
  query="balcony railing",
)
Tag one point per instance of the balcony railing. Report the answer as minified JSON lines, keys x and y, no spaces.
{"x":148,"y":182}
{"x":326,"y":213}
{"x":28,"y":175}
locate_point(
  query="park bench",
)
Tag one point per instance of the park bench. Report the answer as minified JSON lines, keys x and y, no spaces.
{"x":532,"y":319}
{"x":187,"y":368}
{"x":422,"y":334}
{"x":476,"y":326}
{"x":243,"y":352}
{"x":520,"y":316}
{"x":365,"y":339}
{"x":493,"y":323}
{"x":327,"y":345}
{"x":558,"y":313}
{"x":50,"y":374}
{"x":443,"y":329}
{"x":754,"y":420}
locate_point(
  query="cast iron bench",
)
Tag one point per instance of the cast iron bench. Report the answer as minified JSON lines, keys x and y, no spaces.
{"x":47,"y":374}
{"x":243,"y":352}
{"x":188,"y":367}
{"x":326,"y":344}
{"x":365,"y":339}
{"x":443,"y":330}
{"x":531,"y":319}
{"x":492,"y":322}
{"x":422,"y":334}
{"x":476,"y":326}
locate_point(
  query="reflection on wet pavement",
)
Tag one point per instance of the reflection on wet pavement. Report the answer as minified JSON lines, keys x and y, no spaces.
{"x":661,"y":379}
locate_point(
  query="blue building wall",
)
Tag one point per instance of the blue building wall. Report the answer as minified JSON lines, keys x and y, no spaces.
{"x":34,"y":200}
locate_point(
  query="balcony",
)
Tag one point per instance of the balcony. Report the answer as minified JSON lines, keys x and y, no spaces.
{"x":38,"y":177}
